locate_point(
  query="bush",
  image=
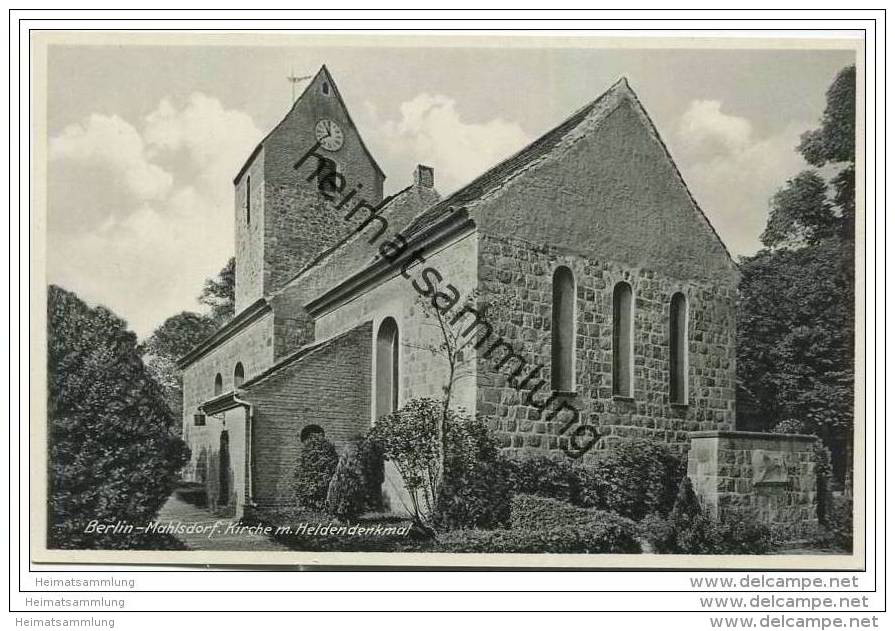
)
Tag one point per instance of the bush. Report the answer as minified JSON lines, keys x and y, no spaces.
{"x":741,"y":533}
{"x":408,"y":438}
{"x":478,"y":481}
{"x":317,"y":460}
{"x":634,"y":478}
{"x":346,"y":496}
{"x":546,"y":477}
{"x":113,"y":452}
{"x":836,"y":528}
{"x":533,"y":513}
{"x":372,"y":465}
{"x":557,"y":540}
{"x":690,"y":530}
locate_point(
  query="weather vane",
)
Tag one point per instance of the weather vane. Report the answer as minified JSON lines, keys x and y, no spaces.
{"x":295,"y":80}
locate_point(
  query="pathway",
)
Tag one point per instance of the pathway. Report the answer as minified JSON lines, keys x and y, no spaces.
{"x":179,"y":512}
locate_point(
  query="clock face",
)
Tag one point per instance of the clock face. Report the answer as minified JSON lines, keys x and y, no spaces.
{"x":329,"y":135}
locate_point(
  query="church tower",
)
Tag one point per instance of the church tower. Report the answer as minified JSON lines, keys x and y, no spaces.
{"x":287,"y":191}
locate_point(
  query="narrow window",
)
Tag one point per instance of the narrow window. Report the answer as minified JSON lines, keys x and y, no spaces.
{"x":325,"y":87}
{"x":238,"y":375}
{"x":248,"y":200}
{"x":326,"y":182}
{"x":563,"y":329}
{"x":387,"y":367}
{"x":677,"y":328}
{"x":622,"y":376}
{"x":218,"y":384}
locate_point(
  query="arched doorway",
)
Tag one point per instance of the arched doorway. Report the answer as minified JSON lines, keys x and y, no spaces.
{"x":224,"y":470}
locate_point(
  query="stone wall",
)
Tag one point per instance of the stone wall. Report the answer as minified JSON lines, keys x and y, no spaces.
{"x":249,"y":234}
{"x":422,"y":373}
{"x":300,"y":222}
{"x":294,"y":327}
{"x":520,"y":274}
{"x":253,"y":347}
{"x":608,"y":202}
{"x":771,"y":476}
{"x":327,"y":386}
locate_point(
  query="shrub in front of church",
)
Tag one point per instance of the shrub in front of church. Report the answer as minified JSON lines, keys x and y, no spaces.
{"x":113,"y":453}
{"x":546,"y":476}
{"x":689,"y":529}
{"x":478,"y":481}
{"x":372,"y":464}
{"x":598,"y":539}
{"x":535,"y":513}
{"x":317,"y":460}
{"x":346,"y":495}
{"x":634,"y":478}
{"x":408,"y":438}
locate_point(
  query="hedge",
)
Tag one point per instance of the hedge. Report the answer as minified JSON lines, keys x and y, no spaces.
{"x":554,"y":540}
{"x":606,"y":531}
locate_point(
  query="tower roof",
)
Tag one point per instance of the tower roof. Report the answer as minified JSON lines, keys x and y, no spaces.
{"x":323,"y":73}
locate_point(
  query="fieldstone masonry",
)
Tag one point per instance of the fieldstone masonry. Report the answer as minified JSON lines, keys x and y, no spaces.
{"x":519,"y":273}
{"x":769,"y":475}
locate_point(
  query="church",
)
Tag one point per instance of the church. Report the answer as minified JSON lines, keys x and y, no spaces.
{"x":621,"y":296}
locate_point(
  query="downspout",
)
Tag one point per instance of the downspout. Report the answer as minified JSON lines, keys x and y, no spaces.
{"x":250,"y":415}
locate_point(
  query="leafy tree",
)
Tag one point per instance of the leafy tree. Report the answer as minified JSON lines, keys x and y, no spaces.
{"x":112,"y":453}
{"x":180,"y":333}
{"x":795,"y":337}
{"x":167,"y":344}
{"x":219,"y":293}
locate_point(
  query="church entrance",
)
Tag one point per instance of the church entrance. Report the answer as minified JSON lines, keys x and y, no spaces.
{"x":224,"y":470}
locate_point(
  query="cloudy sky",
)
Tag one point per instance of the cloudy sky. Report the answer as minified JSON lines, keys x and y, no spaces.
{"x":144,"y":140}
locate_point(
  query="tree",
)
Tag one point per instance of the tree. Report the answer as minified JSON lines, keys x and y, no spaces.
{"x":219,"y":293}
{"x":456,"y":345}
{"x":795,"y":322}
{"x":112,"y":453}
{"x":168,"y":343}
{"x":180,"y":333}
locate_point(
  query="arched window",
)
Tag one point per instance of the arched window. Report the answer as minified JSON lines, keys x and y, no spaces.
{"x":218,"y":384}
{"x":563,"y":328}
{"x":677,"y":368}
{"x":239,"y":375}
{"x":311,"y":430}
{"x":387,"y":367}
{"x":622,"y":343}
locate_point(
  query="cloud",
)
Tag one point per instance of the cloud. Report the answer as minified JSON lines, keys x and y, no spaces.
{"x":705,"y":128}
{"x":732,"y":170}
{"x":430,"y":131}
{"x":144,"y":248}
{"x":114,"y":145}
